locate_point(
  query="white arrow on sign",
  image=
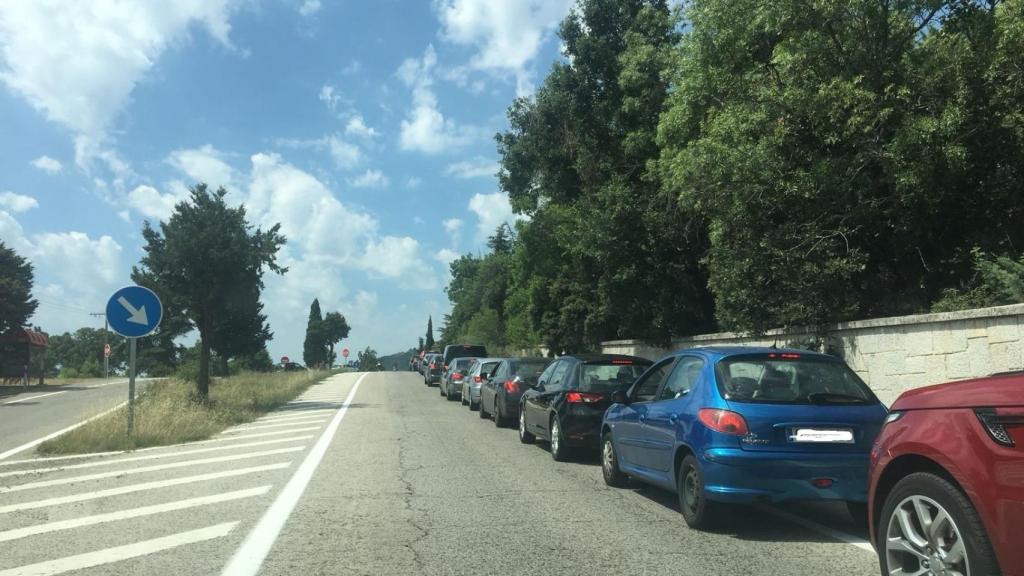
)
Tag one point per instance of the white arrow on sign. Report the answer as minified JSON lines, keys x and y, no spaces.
{"x":138,"y":315}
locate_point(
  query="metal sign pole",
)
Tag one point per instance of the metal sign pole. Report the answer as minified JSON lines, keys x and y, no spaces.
{"x":131,"y":384}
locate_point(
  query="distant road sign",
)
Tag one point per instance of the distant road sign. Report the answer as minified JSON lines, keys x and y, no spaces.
{"x":134,"y":311}
{"x":106,"y":350}
{"x":345,"y":352}
{"x":285,"y":359}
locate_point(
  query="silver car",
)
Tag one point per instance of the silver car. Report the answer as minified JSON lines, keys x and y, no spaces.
{"x":481,"y":370}
{"x":451,"y":380}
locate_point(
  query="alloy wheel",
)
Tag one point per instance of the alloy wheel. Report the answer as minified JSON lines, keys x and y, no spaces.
{"x":923,"y":538}
{"x":691,"y":491}
{"x":556,"y":432}
{"x":608,"y":457}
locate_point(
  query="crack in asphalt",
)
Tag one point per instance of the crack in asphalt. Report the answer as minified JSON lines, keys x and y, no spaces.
{"x":407,"y":495}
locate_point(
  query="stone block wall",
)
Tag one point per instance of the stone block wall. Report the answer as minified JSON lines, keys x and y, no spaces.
{"x":892,"y":354}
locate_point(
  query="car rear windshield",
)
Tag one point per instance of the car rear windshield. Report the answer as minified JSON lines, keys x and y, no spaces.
{"x":529,"y":371}
{"x":465,"y":350}
{"x":609,"y":376}
{"x":790,"y":378}
{"x":463,"y":363}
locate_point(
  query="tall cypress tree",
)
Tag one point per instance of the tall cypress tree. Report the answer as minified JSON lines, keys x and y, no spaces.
{"x":313,"y":347}
{"x":430,"y":333}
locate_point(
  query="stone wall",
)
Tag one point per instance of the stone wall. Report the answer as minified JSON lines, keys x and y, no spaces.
{"x":892,"y":354}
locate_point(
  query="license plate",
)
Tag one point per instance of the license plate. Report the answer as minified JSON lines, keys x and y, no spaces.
{"x":824,"y":435}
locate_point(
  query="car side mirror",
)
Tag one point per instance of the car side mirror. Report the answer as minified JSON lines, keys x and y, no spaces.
{"x":620,"y":397}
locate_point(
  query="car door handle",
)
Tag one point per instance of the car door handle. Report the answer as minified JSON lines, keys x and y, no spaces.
{"x":643,"y":418}
{"x":673,"y":418}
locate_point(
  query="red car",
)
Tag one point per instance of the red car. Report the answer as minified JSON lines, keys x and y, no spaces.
{"x":946,"y":493}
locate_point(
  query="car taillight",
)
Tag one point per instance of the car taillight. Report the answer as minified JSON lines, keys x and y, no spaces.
{"x":723,"y":421}
{"x":512,"y":386}
{"x":457,"y":376}
{"x":995,"y":424}
{"x":583,"y":398}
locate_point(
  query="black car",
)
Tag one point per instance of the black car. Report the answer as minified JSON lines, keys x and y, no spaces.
{"x":569,"y":400}
{"x":432,"y":369}
{"x":499,"y":396}
{"x":453,"y":351}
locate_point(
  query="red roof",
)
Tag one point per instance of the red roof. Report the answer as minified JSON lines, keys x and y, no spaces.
{"x":21,"y":335}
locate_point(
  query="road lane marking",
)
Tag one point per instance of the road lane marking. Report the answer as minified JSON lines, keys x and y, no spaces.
{"x":59,"y":500}
{"x":228,"y":438}
{"x":289,"y":417}
{"x":152,"y":456}
{"x":38,"y":441}
{"x":821,"y":528}
{"x":255,"y":426}
{"x":250,"y":555}
{"x":119,"y":553}
{"x":158,"y":467}
{"x":131,"y":513}
{"x":20,"y":400}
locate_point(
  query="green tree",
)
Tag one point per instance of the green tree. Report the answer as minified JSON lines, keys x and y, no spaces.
{"x":846,"y":156}
{"x":203,"y":257}
{"x":429,"y":342}
{"x":605,"y":253}
{"x":368,"y":359}
{"x":334,"y":329}
{"x":16,"y":302}
{"x":313,"y":349}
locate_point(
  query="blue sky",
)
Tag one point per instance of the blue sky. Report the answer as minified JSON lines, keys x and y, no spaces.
{"x":364,"y":128}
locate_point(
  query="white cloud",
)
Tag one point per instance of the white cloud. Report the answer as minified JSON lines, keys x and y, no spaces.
{"x":425,"y":128}
{"x":446,"y":256}
{"x":392,"y":256}
{"x":345,"y":154}
{"x":204,"y":164}
{"x":492,"y":210}
{"x":17,"y":202}
{"x":371,"y":179}
{"x":149,"y":202}
{"x":330,"y":97}
{"x":413,"y":182}
{"x":47,"y":164}
{"x":356,"y":127}
{"x":452,"y":225}
{"x":77,"y":63}
{"x":507,"y":35}
{"x":75,"y":258}
{"x":477,"y":167}
{"x":352,"y":68}
{"x":309,"y":7}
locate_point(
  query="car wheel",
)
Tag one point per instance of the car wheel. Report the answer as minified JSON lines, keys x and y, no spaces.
{"x":559,"y":451}
{"x":610,"y":464}
{"x":524,"y":436}
{"x":696,"y":508}
{"x":499,"y":420}
{"x":928,"y":525}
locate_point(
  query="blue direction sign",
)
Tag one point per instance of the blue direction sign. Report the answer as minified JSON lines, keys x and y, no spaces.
{"x":134,"y":311}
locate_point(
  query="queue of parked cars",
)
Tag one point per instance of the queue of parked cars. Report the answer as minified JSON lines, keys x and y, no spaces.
{"x":938,"y":478}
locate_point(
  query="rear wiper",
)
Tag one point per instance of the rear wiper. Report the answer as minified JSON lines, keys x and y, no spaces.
{"x":833,"y":397}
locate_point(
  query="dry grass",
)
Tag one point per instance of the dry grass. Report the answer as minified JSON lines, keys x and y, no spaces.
{"x":169,"y":414}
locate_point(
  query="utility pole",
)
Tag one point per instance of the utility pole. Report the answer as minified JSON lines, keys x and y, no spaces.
{"x":106,"y":330}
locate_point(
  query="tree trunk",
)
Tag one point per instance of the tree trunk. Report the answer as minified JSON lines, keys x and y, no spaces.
{"x":203,"y":381}
{"x":223,"y":364}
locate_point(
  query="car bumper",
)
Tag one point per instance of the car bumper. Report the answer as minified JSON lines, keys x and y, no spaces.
{"x":739,"y":476}
{"x":582,"y":430}
{"x":473,"y":393}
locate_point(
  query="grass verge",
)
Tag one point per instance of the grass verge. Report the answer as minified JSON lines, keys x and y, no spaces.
{"x":168,"y":412}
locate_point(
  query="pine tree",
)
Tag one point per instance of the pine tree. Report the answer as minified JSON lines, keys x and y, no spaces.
{"x":313,"y":348}
{"x":429,"y":343}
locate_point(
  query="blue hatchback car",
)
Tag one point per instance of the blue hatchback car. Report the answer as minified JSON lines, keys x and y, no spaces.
{"x":744,"y":425}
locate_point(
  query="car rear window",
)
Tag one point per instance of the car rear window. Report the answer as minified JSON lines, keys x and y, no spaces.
{"x":529,"y":371}
{"x":466,"y":350}
{"x":609,"y":376}
{"x":463,"y":363}
{"x":790,"y":378}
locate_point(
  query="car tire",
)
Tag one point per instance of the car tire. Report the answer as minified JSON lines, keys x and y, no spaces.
{"x":933,"y":493}
{"x":559,"y":451}
{"x":613,"y":476}
{"x":697,"y":510}
{"x":524,"y":436}
{"x":499,"y":420}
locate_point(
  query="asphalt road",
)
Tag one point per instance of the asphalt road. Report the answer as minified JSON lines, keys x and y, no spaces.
{"x":39,"y":411}
{"x":387,"y":479}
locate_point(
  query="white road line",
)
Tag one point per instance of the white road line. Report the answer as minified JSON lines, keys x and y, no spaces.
{"x":119,"y":553}
{"x":153,"y":456}
{"x":303,"y":422}
{"x":131,"y":513}
{"x":53,"y":458}
{"x":290,"y":417}
{"x":250,"y":555}
{"x":20,"y":400}
{"x":138,"y":488}
{"x":820,"y":528}
{"x":226,"y":438}
{"x":38,"y":441}
{"x":116,"y":473}
{"x":137,"y":380}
